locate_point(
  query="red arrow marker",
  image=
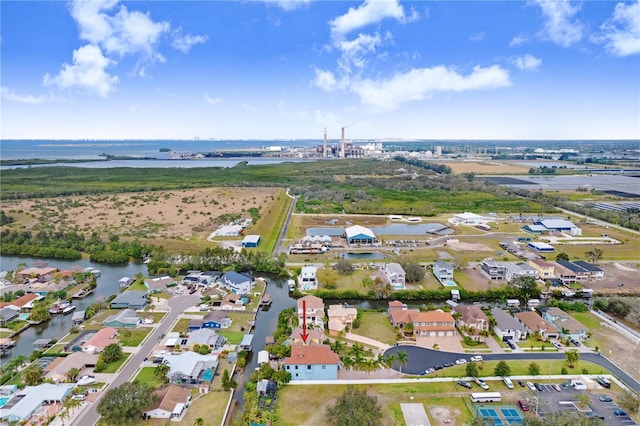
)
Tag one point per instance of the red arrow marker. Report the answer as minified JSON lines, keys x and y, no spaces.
{"x":305,"y":336}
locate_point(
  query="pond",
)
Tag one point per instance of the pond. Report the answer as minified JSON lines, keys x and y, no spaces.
{"x":366,"y":256}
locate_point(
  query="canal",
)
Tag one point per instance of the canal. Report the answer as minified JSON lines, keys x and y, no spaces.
{"x":59,"y":325}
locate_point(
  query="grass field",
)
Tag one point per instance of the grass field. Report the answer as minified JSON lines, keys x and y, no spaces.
{"x":182,"y":326}
{"x":156,"y":316}
{"x":146,"y":375}
{"x":376,"y":325}
{"x":233,"y":337}
{"x":591,"y":321}
{"x":113,"y":367}
{"x":95,"y":322}
{"x":135,"y":338}
{"x":270,"y":222}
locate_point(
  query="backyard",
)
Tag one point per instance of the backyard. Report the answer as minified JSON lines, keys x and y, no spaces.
{"x":376,"y":326}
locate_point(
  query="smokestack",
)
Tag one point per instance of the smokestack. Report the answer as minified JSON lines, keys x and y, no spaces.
{"x":324,"y":147}
{"x":342,"y":152}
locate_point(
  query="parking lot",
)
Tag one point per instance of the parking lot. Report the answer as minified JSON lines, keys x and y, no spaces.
{"x":550,"y":401}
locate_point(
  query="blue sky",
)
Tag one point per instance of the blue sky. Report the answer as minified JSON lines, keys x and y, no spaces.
{"x":108,"y":69}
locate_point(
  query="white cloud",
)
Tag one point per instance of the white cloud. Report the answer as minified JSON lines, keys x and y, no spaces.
{"x":212,"y":101}
{"x":288,"y":5}
{"x":11,"y":95}
{"x":184,"y":42}
{"x":88,"y":71}
{"x":526,"y":62}
{"x":325,"y":80}
{"x":621,"y":32}
{"x":354,"y":51}
{"x":421,"y":83}
{"x":477,"y":36}
{"x":519,"y":40}
{"x":560,"y":25}
{"x":369,"y":12}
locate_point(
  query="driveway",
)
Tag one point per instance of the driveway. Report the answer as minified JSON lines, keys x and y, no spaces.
{"x":89,"y":416}
{"x":422,"y":358}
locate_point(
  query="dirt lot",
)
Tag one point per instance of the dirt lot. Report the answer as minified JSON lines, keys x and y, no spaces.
{"x":184,"y":214}
{"x":489,"y":167}
{"x":615,"y":274}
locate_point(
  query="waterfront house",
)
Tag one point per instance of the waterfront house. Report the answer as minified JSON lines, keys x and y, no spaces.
{"x":308,"y":280}
{"x":213,"y":319}
{"x":565,"y":275}
{"x":534,"y":323}
{"x":158,"y":284}
{"x":100,"y":340}
{"x":24,"y":302}
{"x":443,"y":271}
{"x":58,"y":369}
{"x":473,"y":318}
{"x":314,"y":312}
{"x":434,"y":324}
{"x":359,"y":235}
{"x":340,"y":318}
{"x":8,"y":314}
{"x":513,"y":270}
{"x":190,"y":367}
{"x":32,"y":401}
{"x":170,"y":402}
{"x":126,"y":318}
{"x":313,"y":362}
{"x":131,"y":299}
{"x":232,"y":302}
{"x":35,"y":273}
{"x":544,"y":269}
{"x":395,"y":275}
{"x":237,"y":283}
{"x":507,"y":327}
{"x":494,"y":269}
{"x":205,"y":336}
{"x":313,"y":336}
{"x":593,"y":271}
{"x":567,"y":326}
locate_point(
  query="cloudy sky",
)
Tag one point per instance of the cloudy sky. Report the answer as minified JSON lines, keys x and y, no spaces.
{"x":285,"y":69}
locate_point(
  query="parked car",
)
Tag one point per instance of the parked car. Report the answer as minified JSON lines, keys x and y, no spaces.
{"x":86,"y":380}
{"x":557,"y":344}
{"x":556,"y":388}
{"x":605,"y":398}
{"x":575,"y":343}
{"x":521,"y":383}
{"x":620,"y":412}
{"x":449,"y":364}
{"x":592,"y":415}
{"x":465,"y":384}
{"x":158,"y":360}
{"x":531,"y":386}
{"x":147,"y":321}
{"x":79,"y":397}
{"x":482,"y":383}
{"x":539,"y":387}
{"x":428,"y":371}
{"x":439,"y":367}
{"x":523,"y":405}
{"x":476,"y":358}
{"x":511,"y":344}
{"x":461,"y":361}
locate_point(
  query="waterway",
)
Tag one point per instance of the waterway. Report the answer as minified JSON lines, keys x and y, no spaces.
{"x":59,"y":325}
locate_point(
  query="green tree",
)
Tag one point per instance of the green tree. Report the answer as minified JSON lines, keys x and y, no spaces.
{"x":198,"y":422}
{"x":226,"y":380}
{"x":32,"y":375}
{"x":594,"y":256}
{"x":281,"y":377}
{"x":402,"y":358}
{"x":111,"y":353}
{"x":328,"y":278}
{"x":572,"y":357}
{"x":40,"y":312}
{"x":533,"y":369}
{"x":471,"y":369}
{"x":528,"y":288}
{"x":502,"y":369}
{"x":414,"y":273}
{"x":72,"y":374}
{"x":562,"y":256}
{"x":344,"y":267}
{"x":125,"y":403}
{"x":160,"y":371}
{"x":354,"y":408}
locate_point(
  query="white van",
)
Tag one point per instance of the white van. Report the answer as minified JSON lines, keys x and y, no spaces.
{"x":476,"y":358}
{"x":507,"y":382}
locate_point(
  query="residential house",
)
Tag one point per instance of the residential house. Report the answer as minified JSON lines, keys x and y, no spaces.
{"x":568,"y":326}
{"x":232,"y":302}
{"x":24,"y":302}
{"x":513,"y":270}
{"x":31,"y":401}
{"x":340,"y":318}
{"x":130,"y":299}
{"x":78,"y":317}
{"x":58,"y":369}
{"x":594,"y":272}
{"x":205,"y":336}
{"x":314,"y":312}
{"x":190,"y":367}
{"x":565,"y":275}
{"x":100,"y":340}
{"x":237,"y":283}
{"x":158,"y":284}
{"x":313,"y":362}
{"x":443,"y":271}
{"x":8,"y":314}
{"x":170,"y":402}
{"x":213,"y":319}
{"x":399,"y":315}
{"x":313,"y":336}
{"x":308,"y":280}
{"x":127,"y":318}
{"x":359,"y":235}
{"x":534,"y":323}
{"x":395,"y":275}
{"x":247,"y":343}
{"x":472,"y":318}
{"x":544,"y":269}
{"x":35,"y":272}
{"x":496,"y":270}
{"x":434,"y":324}
{"x":580,"y":273}
{"x":507,"y":327}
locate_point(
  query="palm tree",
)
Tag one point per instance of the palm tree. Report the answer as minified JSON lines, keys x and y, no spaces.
{"x":403,"y":359}
{"x":72,"y":374}
{"x":357,"y":351}
{"x":199,"y":422}
{"x":337,"y":346}
{"x":388,"y":360}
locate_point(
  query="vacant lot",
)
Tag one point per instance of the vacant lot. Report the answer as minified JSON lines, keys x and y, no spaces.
{"x":177,"y":214}
{"x":376,"y":326}
{"x":487,"y":167}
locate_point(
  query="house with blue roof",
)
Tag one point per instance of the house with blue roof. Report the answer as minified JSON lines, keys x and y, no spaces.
{"x":237,"y":283}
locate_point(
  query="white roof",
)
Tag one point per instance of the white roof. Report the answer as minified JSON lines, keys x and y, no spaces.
{"x":468,"y":215}
{"x":557,"y":223}
{"x":357,"y":230}
{"x":308,"y":271}
{"x":34,"y":397}
{"x":251,"y":239}
{"x":540,"y":245}
{"x":395,"y":268}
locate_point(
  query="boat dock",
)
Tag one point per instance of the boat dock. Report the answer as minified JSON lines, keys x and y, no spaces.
{"x":266,"y":300}
{"x":82,"y":294}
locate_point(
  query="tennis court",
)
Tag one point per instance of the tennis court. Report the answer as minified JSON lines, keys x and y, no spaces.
{"x":505,"y":415}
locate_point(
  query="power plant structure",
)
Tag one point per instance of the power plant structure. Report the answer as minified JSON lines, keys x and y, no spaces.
{"x":324,"y":146}
{"x":342,"y":150}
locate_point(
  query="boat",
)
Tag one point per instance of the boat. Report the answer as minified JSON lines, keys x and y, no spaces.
{"x":125,"y":282}
{"x":292,"y":285}
{"x":62,"y":307}
{"x":94,"y":271}
{"x":85,"y":292}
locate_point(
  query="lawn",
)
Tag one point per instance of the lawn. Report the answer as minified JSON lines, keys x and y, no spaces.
{"x":133,"y":337}
{"x":591,"y":321}
{"x":182,"y":326}
{"x":157,"y":316}
{"x":114,"y":366}
{"x":352,"y":281}
{"x":146,"y":375}
{"x":137,"y":286}
{"x":270,"y":222}
{"x":240,"y":321}
{"x":95,"y":322}
{"x":233,"y":337}
{"x":376,"y":325}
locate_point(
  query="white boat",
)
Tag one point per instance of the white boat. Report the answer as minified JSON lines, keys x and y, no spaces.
{"x":94,"y":271}
{"x":62,"y":307}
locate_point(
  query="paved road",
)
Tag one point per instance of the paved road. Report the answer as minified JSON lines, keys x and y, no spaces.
{"x":89,"y":415}
{"x":285,"y":226}
{"x":422,"y":358}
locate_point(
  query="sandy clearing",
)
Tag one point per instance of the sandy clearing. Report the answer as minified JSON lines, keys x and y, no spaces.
{"x":624,"y":268}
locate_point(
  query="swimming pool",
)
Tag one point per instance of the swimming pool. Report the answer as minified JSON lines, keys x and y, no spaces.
{"x":24,"y":317}
{"x":207,"y":376}
{"x":3,"y":401}
{"x":450,"y":283}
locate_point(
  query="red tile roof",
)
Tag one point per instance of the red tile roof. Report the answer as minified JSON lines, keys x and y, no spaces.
{"x":311,"y":355}
{"x":20,"y":301}
{"x":313,"y":302}
{"x":103,"y":338}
